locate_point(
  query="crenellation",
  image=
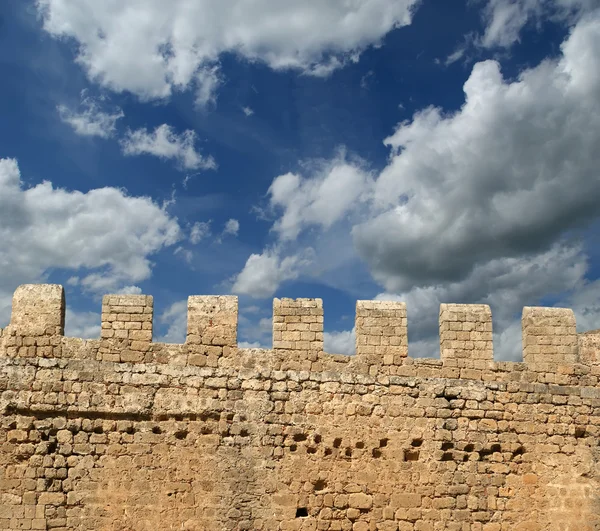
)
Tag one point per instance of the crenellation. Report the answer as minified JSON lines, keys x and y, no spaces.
{"x":38,"y":310}
{"x":298,"y":326}
{"x":206,"y":436}
{"x":549,"y":338}
{"x":466,"y":335}
{"x":381,"y":332}
{"x":589,"y":347}
{"x":126,"y":327}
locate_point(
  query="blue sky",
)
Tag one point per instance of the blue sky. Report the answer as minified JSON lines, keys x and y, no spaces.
{"x":425,"y":151}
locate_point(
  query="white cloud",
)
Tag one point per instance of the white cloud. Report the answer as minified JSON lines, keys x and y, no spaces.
{"x":247,"y":111}
{"x":474,"y":206}
{"x":199,"y":231}
{"x":504,"y":176}
{"x":85,"y":325}
{"x":208,"y":81}
{"x":152,"y":48}
{"x":232,"y":227}
{"x":175,"y":316}
{"x":505,"y":19}
{"x":264,"y":273}
{"x":91,"y":120}
{"x":164,"y":143}
{"x":104,"y":232}
{"x":334,"y":189}
{"x":342,"y":342}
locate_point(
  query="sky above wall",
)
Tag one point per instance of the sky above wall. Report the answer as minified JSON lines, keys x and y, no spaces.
{"x":417,"y":150}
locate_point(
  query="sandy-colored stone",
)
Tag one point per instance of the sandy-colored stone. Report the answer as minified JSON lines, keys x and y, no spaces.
{"x":122,"y":433}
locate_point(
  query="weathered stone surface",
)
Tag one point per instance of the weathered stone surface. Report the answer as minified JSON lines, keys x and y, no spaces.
{"x":122,"y":433}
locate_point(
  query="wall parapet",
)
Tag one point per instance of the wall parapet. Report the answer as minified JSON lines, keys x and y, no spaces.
{"x":552,"y":349}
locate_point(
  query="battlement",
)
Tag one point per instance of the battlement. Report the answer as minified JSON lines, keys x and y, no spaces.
{"x":125,"y":433}
{"x":549,"y":336}
{"x":550,"y":341}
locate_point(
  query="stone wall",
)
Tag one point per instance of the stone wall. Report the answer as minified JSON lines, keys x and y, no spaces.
{"x":122,"y":433}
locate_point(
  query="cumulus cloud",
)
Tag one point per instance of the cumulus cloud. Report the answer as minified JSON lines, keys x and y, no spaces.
{"x":264,"y":273}
{"x":474,"y":206}
{"x":164,"y":143}
{"x":333,"y":189}
{"x":341,"y":342}
{"x":90,"y":119}
{"x":154,"y":48}
{"x":504,"y":176}
{"x":175,"y":318}
{"x":247,"y":111}
{"x":505,"y":19}
{"x":85,"y":325}
{"x":105,"y":233}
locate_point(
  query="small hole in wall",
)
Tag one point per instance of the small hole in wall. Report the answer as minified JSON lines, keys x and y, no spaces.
{"x":383,"y":443}
{"x":496,"y":448}
{"x":465,"y":458}
{"x":311,"y":450}
{"x":519,"y":451}
{"x":579,"y":432}
{"x":447,"y":446}
{"x":244,"y":433}
{"x":411,"y":455}
{"x":181,"y":434}
{"x":52,"y":445}
{"x":98,"y":429}
{"x":416,"y":442}
{"x":447,"y":456}
{"x":156,"y":430}
{"x":301,"y":512}
{"x":376,"y":453}
{"x":360,"y":445}
{"x":320,"y":484}
{"x":328,"y":451}
{"x":299,"y":437}
{"x":130,"y":430}
{"x":469,"y":447}
{"x":293,"y":448}
{"x":317,"y":439}
{"x":348,"y":452}
{"x":337,"y":443}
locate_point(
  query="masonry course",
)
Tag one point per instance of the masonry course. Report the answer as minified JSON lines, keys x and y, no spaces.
{"x":122,"y":433}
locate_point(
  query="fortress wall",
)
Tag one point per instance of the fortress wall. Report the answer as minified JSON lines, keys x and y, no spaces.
{"x":248,"y":440}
